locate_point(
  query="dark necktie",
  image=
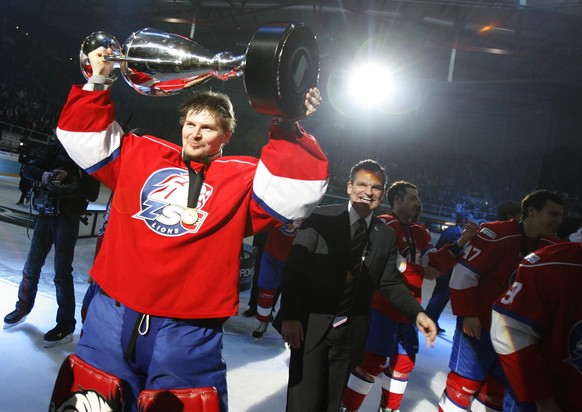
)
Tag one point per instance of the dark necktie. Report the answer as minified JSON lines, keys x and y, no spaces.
{"x":355,"y":264}
{"x":358,"y":242}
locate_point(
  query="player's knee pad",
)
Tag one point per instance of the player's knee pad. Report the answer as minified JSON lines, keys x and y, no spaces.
{"x":458,"y":393}
{"x":372,"y":364}
{"x":265,"y":301}
{"x":360,"y":381}
{"x":490,"y":396}
{"x":266,"y":294}
{"x":265,"y":297}
{"x":395,"y":379}
{"x":401,"y":366}
{"x":189,"y":399}
{"x":79,"y":383}
{"x":357,"y":388}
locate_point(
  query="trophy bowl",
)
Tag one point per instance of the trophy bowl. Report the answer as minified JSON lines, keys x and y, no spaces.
{"x":280,"y":65}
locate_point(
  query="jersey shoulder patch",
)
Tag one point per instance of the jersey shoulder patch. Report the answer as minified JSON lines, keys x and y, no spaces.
{"x":532,"y":258}
{"x":489,"y":233}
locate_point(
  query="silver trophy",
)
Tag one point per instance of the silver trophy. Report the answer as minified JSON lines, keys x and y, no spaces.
{"x":281,"y":63}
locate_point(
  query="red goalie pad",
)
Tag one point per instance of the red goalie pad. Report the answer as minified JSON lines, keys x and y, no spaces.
{"x":190,"y":399}
{"x":82,"y":385}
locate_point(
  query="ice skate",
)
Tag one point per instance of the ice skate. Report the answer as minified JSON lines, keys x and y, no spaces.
{"x":260,"y":331}
{"x":16,"y":317}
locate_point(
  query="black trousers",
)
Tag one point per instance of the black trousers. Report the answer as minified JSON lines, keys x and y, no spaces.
{"x":317,"y":378}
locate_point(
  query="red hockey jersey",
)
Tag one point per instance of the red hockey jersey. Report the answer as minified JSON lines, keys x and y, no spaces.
{"x":537,"y":327}
{"x":487,"y":267}
{"x":412,"y":238}
{"x":151,"y":261}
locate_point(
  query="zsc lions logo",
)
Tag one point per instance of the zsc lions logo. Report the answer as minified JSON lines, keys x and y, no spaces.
{"x":163,"y":198}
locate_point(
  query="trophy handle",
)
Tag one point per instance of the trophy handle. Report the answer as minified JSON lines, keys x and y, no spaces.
{"x":94,"y":41}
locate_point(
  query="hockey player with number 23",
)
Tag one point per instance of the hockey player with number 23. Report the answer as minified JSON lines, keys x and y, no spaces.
{"x":537,"y":332}
{"x":485,"y":270}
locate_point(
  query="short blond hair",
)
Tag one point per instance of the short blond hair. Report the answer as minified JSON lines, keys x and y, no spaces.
{"x":218,"y":104}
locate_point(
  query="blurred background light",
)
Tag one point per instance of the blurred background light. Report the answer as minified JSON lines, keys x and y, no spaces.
{"x":371,"y":84}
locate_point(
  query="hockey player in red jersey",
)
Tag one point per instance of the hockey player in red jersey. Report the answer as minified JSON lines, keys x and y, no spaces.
{"x":169,"y":263}
{"x":537,"y":331}
{"x":391,"y":335}
{"x":484,"y":272}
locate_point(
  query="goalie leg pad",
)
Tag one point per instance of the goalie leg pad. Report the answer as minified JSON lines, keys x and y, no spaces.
{"x":189,"y":399}
{"x":79,"y":383}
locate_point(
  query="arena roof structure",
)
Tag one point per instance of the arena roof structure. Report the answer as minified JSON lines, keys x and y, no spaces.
{"x":501,"y":48}
{"x":480,"y":76}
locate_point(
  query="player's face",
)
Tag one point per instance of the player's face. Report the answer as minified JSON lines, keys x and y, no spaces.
{"x":409,"y":205}
{"x":202,"y":136}
{"x":547,"y":220}
{"x":366,"y":191}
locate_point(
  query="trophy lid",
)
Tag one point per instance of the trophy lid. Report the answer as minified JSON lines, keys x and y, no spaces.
{"x":282,"y":64}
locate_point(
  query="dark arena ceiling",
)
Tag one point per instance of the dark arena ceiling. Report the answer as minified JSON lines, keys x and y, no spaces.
{"x":477,"y":43}
{"x":505,"y":53}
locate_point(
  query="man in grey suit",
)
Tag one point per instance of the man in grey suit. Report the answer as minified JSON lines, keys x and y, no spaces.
{"x":326,"y":293}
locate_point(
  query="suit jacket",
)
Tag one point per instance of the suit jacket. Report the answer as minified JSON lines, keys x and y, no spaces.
{"x":315,"y":274}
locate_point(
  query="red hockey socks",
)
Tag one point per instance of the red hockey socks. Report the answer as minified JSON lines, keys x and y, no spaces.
{"x":395,"y":380}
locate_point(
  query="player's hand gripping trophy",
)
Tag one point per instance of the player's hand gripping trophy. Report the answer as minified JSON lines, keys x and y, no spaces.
{"x":280,"y":65}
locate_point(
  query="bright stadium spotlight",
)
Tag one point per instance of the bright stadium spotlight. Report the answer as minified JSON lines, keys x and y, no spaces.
{"x":371,"y":84}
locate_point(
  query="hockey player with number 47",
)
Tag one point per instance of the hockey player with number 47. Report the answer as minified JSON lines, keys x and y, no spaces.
{"x":391,"y":335}
{"x":485,"y":270}
{"x":537,"y":332}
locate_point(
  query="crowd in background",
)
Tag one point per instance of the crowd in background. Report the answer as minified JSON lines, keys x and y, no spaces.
{"x":34,"y":78}
{"x":465,"y":182}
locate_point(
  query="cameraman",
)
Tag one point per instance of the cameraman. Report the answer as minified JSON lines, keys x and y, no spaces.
{"x":62,"y":193}
{"x":25,"y":184}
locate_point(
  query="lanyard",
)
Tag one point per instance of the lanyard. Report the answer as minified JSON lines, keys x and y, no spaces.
{"x":195,"y":182}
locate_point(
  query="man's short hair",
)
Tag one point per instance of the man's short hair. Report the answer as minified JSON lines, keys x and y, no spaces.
{"x":508,"y":210}
{"x":218,"y":104}
{"x":399,"y":189}
{"x":538,"y":200}
{"x":371,"y":165}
